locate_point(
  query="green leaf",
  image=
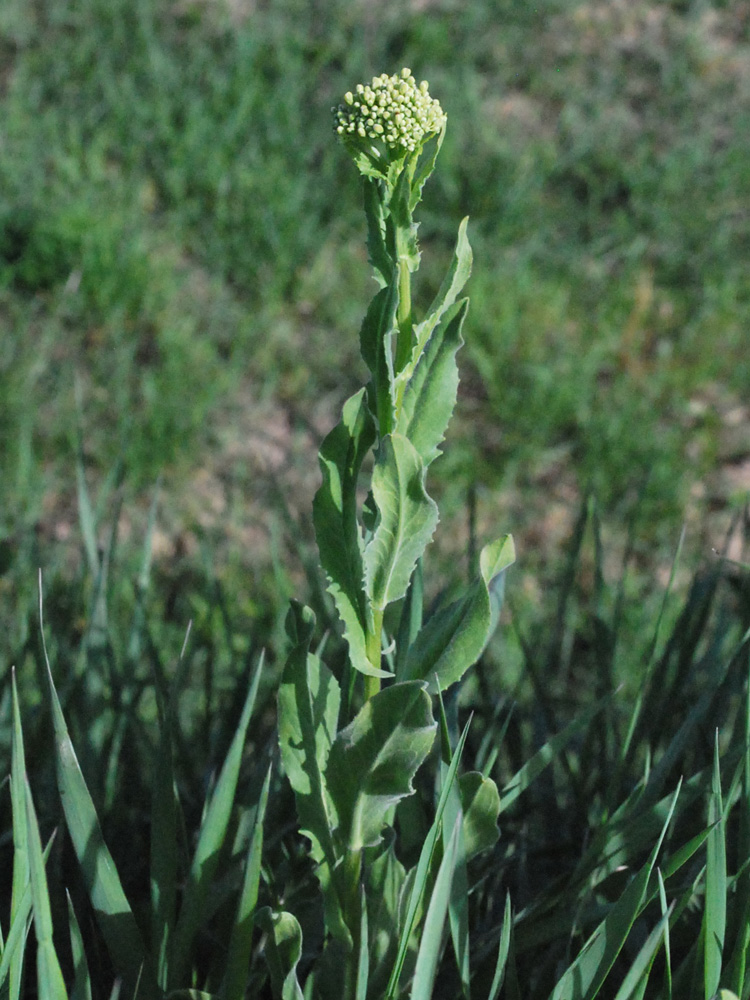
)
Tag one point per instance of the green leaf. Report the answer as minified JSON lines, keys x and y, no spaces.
{"x":309,"y":700}
{"x":432,"y":932}
{"x":336,"y":526}
{"x":420,"y":875}
{"x":715,"y":913}
{"x":240,"y":942}
{"x":480,"y":801}
{"x":19,"y":913}
{"x":82,"y":980}
{"x":455,"y":637}
{"x":50,"y":983}
{"x":407,"y":519}
{"x":113,"y":912}
{"x":545,"y":755}
{"x":283,"y":951}
{"x":430,"y":395}
{"x":384,"y":875}
{"x":502,"y":951}
{"x":376,"y":231}
{"x":450,"y":289}
{"x":637,"y":975}
{"x":374,"y":759}
{"x":583,"y":979}
{"x":210,"y":842}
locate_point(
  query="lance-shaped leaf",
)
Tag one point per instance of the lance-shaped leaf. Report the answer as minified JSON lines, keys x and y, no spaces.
{"x":113,"y":912}
{"x":309,"y":699}
{"x":336,"y":526}
{"x":450,"y":289}
{"x":455,"y":637}
{"x":49,"y":975}
{"x":480,"y":802}
{"x":430,"y":395}
{"x":283,"y":951}
{"x":373,"y":761}
{"x":407,"y":519}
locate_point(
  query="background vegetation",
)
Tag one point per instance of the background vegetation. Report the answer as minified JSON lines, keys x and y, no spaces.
{"x":182,"y":275}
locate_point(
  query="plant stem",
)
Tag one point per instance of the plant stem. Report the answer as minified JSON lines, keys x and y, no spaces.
{"x":372,"y":684}
{"x":403,"y":315}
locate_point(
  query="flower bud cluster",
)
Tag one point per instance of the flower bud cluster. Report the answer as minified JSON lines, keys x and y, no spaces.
{"x":393,"y":111}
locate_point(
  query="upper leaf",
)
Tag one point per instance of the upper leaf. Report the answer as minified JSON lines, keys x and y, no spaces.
{"x":455,"y":637}
{"x":373,"y":761}
{"x":407,"y":519}
{"x":430,"y":395}
{"x":336,"y":526}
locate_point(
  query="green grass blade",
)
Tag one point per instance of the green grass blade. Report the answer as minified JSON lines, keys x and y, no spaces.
{"x":423,"y":869}
{"x":111,"y":906}
{"x":21,"y":876}
{"x":363,"y":965}
{"x":502,"y":951}
{"x":50,"y":984}
{"x":432,"y":933}
{"x":164,"y":827}
{"x":636,"y":978}
{"x":82,"y":980}
{"x":715,"y":913}
{"x":210,"y":840}
{"x":667,"y":943}
{"x":583,"y":979}
{"x":240,"y":942}
{"x":545,"y":755}
{"x":283,"y":951}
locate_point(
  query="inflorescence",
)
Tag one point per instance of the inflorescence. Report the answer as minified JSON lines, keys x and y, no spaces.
{"x":394,"y":115}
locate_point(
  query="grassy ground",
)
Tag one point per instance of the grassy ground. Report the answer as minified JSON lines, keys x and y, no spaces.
{"x":181,"y":238}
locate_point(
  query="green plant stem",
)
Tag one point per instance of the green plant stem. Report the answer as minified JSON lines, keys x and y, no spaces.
{"x":374,"y":649}
{"x":403,"y":314}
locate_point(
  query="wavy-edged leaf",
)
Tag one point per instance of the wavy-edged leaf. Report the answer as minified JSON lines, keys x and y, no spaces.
{"x":430,"y":394}
{"x":376,"y":230}
{"x":407,"y":520}
{"x":309,"y":700}
{"x":336,"y":527}
{"x":374,"y":759}
{"x":211,"y":838}
{"x":450,"y":289}
{"x":455,"y":637}
{"x":283,"y":951}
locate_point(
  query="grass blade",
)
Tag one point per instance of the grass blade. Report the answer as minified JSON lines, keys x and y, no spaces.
{"x":432,"y":932}
{"x":423,"y":869}
{"x":21,"y":876}
{"x":502,"y":951}
{"x":210,"y":841}
{"x":113,"y":911}
{"x":583,"y":979}
{"x":715,"y":914}
{"x":636,"y":977}
{"x":82,"y":980}
{"x":545,"y":755}
{"x":240,"y":943}
{"x":50,"y":982}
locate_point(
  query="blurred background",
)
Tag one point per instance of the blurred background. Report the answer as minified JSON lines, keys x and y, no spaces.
{"x":183,"y":273}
